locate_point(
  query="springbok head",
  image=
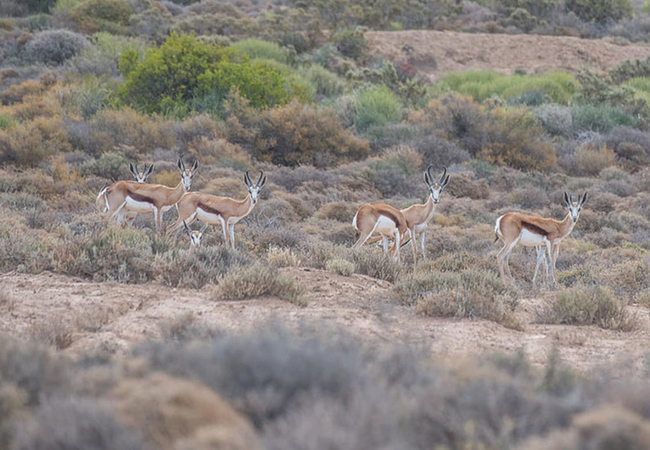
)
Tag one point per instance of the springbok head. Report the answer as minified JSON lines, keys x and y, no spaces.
{"x":140,"y":176}
{"x":254,"y":188}
{"x":187,"y":174}
{"x":436,"y":187}
{"x":575,"y":206}
{"x":195,"y":236}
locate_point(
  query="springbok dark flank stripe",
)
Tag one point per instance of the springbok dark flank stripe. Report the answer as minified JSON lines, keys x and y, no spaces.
{"x":534,"y":228}
{"x":208,"y":209}
{"x":140,"y":198}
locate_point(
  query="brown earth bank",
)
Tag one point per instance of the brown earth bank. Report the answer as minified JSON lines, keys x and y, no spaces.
{"x":110,"y":317}
{"x":435,"y":52}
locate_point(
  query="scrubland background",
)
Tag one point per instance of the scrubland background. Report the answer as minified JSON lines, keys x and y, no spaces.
{"x":118,"y":338}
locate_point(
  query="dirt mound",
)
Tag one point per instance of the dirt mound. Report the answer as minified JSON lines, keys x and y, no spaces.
{"x":109,"y":317}
{"x":436,"y":52}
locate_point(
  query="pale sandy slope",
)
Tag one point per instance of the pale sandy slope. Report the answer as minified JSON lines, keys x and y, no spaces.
{"x":435,"y":52}
{"x":109,"y":317}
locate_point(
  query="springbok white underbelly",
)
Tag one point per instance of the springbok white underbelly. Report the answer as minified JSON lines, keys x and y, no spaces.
{"x":207,"y":217}
{"x":385,"y":225}
{"x":530,"y":239}
{"x":138,"y":207}
{"x":420,"y":227}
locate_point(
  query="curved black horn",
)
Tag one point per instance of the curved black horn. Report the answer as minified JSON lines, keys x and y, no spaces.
{"x":187,"y":228}
{"x":429,"y":169}
{"x":203,"y":228}
{"x":442,"y":178}
{"x":247,"y":178}
{"x":260,"y":178}
{"x":133,"y":170}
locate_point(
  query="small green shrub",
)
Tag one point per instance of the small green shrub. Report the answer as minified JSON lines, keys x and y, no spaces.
{"x":110,"y":165}
{"x":350,"y":42}
{"x":325,"y":83}
{"x":376,"y":107}
{"x":588,"y":306}
{"x":601,"y":10}
{"x":601,"y":118}
{"x":6,"y":121}
{"x":258,"y":281}
{"x":101,"y":15}
{"x":256,"y":48}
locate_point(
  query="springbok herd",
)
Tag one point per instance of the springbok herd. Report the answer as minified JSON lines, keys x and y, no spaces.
{"x":126,"y":199}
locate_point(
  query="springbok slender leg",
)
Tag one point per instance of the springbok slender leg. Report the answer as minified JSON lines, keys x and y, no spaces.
{"x":540,"y":256}
{"x":424,"y":254}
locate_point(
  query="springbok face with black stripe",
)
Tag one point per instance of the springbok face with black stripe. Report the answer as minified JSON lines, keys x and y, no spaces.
{"x":436,"y":187}
{"x":254,"y":188}
{"x":195,"y":236}
{"x":140,"y":176}
{"x":533,"y":231}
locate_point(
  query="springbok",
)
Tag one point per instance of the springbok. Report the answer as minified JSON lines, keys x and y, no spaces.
{"x":534,"y":231}
{"x":418,"y":216}
{"x":211,"y":209}
{"x":138,"y":177}
{"x":195,"y":236}
{"x":383,"y":219}
{"x":123,"y":197}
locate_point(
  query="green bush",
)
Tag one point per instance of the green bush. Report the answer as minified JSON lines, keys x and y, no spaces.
{"x":350,"y":42}
{"x":101,"y":15}
{"x":324,"y":82}
{"x":601,"y":10}
{"x":185,"y":74}
{"x":601,"y":118}
{"x":6,"y":122}
{"x":256,"y":48}
{"x":110,"y":165}
{"x":376,"y":107}
{"x":559,"y":87}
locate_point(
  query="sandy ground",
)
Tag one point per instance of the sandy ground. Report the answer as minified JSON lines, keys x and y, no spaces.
{"x":110,"y":317}
{"x":436,"y":52}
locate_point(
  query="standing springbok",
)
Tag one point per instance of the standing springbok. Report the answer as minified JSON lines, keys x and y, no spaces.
{"x":123,"y":197}
{"x":418,"y":216}
{"x":195,"y":236}
{"x":383,"y":219}
{"x":212,"y":209}
{"x":533,"y":231}
{"x":138,"y":177}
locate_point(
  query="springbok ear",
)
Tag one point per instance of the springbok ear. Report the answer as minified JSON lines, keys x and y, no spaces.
{"x":446,"y":181}
{"x":133,"y":170}
{"x":566,"y":199}
{"x":195,"y":165}
{"x":149,"y":170}
{"x":584,"y":198}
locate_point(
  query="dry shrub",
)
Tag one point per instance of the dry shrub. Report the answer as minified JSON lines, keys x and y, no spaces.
{"x":282,"y":257}
{"x":196,"y":268}
{"x":220,"y":153}
{"x":75,"y":423}
{"x":604,"y":427}
{"x":341,"y":211}
{"x":30,"y":143}
{"x":588,"y":306}
{"x":642,"y":298}
{"x":302,"y":134}
{"x":54,"y":331}
{"x":16,"y":92}
{"x":464,"y":185}
{"x":590,"y":161}
{"x":259,"y":281}
{"x":340,"y":266}
{"x":373,"y":263}
{"x":184,"y":327}
{"x":169,"y":410}
{"x":110,"y":128}
{"x":12,"y":407}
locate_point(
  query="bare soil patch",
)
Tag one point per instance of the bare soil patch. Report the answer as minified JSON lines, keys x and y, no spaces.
{"x":435,"y":52}
{"x":110,"y":317}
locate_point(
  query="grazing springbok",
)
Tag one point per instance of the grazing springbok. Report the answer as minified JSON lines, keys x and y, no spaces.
{"x":534,"y":231}
{"x":211,"y":209}
{"x":381,"y":218}
{"x":123,"y":197}
{"x":195,"y":236}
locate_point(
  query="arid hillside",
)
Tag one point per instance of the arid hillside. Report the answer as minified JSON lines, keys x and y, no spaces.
{"x":436,"y":52}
